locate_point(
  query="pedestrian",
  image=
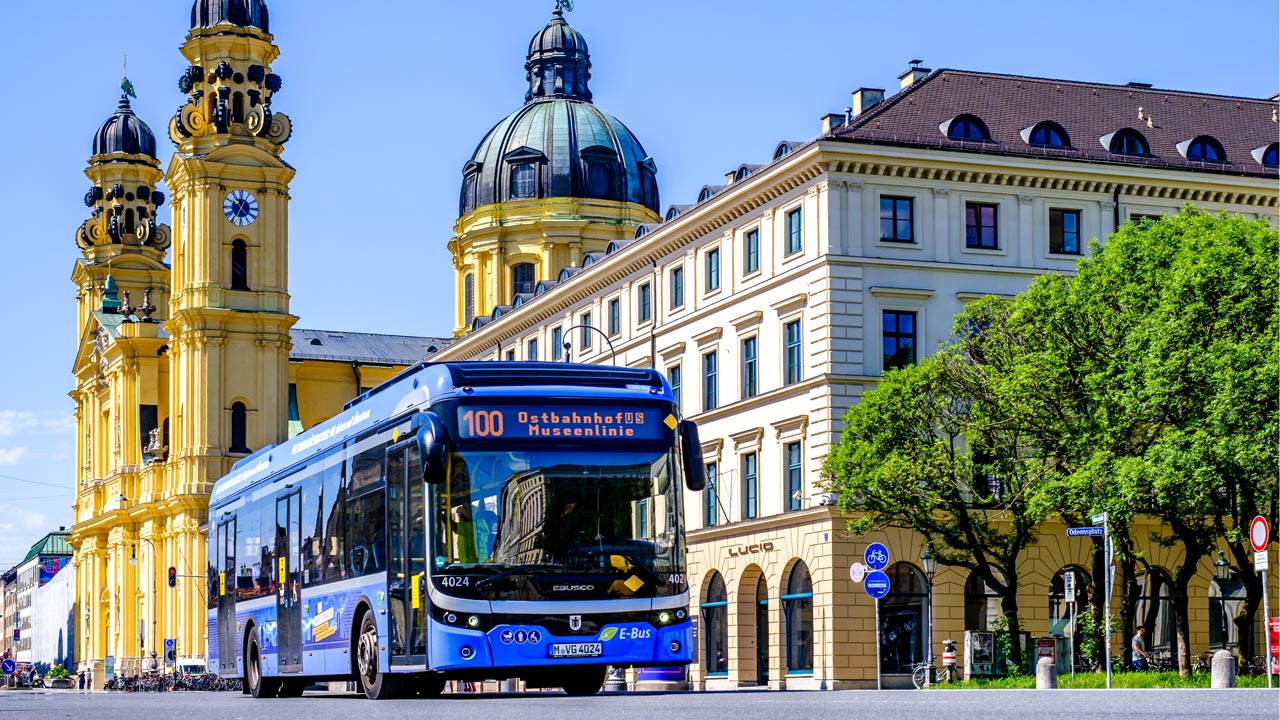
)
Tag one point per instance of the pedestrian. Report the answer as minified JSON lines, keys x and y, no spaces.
{"x":81,"y":677}
{"x":1139,"y":646}
{"x":90,"y":680}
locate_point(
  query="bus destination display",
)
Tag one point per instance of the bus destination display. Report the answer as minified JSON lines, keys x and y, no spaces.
{"x":559,"y":421}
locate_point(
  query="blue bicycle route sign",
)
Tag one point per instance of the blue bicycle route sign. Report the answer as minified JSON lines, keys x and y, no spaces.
{"x":877,"y":584}
{"x":876,"y":556}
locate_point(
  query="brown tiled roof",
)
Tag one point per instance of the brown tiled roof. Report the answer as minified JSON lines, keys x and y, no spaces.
{"x":1007,"y":104}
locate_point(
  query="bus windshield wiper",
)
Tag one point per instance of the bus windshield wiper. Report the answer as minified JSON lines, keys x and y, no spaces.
{"x":511,"y":571}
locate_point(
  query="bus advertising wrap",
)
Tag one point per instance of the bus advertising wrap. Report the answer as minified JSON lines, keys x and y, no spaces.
{"x":522,"y":422}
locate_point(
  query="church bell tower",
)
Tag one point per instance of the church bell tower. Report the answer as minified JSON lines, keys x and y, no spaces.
{"x":229,"y":312}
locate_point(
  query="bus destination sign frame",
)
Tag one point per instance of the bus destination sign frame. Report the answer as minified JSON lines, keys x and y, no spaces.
{"x":558,"y":422}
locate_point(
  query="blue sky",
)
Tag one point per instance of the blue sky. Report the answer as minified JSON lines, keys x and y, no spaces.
{"x":389,"y":98}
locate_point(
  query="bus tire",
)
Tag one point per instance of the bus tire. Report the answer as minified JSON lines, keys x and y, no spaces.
{"x":375,"y":685}
{"x":584,"y":681}
{"x":259,"y":686}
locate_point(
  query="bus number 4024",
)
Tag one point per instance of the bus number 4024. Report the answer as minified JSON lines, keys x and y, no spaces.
{"x":483,"y":423}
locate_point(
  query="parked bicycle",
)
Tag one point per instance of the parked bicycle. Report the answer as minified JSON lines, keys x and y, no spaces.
{"x":919,"y":671}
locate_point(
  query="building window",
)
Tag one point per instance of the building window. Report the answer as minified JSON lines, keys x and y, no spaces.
{"x":710,"y":503}
{"x":968,"y":127}
{"x":557,"y":344}
{"x":598,"y":180}
{"x":1206,"y":149}
{"x":645,"y":305}
{"x":713,"y":269}
{"x":981,"y":603}
{"x":615,"y":317}
{"x":750,"y":486}
{"x":1271,"y":156}
{"x":899,"y":339}
{"x":677,"y":288}
{"x":980,"y":226}
{"x":469,"y":193}
{"x":1064,"y":231}
{"x":1129,"y":142}
{"x":795,"y":232}
{"x":469,"y":298}
{"x":239,"y":265}
{"x":584,"y":341}
{"x":795,"y":477}
{"x":749,"y":365}
{"x":750,"y":252}
{"x":511,"y":355}
{"x":1153,"y":608}
{"x":791,"y":335}
{"x":673,"y":379}
{"x":1048,"y":134}
{"x":797,"y":611}
{"x":902,"y":619}
{"x":1225,"y":599}
{"x":715,"y":625}
{"x":239,"y":430}
{"x":522,"y":281}
{"x":1060,"y":611}
{"x":524,"y":181}
{"x":709,"y":398}
{"x":895,"y":219}
{"x":532,"y":349}
{"x":1142,"y":220}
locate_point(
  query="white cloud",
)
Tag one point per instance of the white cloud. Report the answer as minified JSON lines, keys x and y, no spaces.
{"x":13,"y":422}
{"x":12,"y":456}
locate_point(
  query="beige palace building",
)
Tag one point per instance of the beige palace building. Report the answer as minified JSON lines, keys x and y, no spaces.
{"x":774,"y":299}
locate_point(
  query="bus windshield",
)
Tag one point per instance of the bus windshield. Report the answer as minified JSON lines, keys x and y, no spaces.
{"x":559,"y":524}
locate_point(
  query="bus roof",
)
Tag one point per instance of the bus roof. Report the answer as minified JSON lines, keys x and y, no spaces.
{"x":426,"y":383}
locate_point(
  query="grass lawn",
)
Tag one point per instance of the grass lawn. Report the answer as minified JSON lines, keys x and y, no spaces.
{"x":1083,"y":681}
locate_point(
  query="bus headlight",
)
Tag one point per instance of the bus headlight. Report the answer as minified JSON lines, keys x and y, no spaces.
{"x":473,"y":621}
{"x":664,"y":617}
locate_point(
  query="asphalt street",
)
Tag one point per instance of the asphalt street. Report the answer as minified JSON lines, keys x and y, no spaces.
{"x":1238,"y":704}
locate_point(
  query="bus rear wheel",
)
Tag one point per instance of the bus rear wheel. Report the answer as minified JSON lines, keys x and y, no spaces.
{"x":584,"y":681}
{"x":376,"y":685}
{"x":259,"y":686}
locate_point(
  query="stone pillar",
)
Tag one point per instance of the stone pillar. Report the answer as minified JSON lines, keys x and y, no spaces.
{"x":1046,"y":674}
{"x":1224,"y":670}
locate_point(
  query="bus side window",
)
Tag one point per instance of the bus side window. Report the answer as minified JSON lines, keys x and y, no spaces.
{"x":312,"y":528}
{"x":365,"y":520}
{"x":266,"y":512}
{"x":334,"y":500}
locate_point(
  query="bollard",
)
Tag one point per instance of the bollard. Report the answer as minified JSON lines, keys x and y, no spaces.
{"x":1046,"y":674}
{"x":1224,"y":670}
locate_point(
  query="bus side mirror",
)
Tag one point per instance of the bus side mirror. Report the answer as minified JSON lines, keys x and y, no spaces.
{"x":433,"y":446}
{"x":695,"y":474}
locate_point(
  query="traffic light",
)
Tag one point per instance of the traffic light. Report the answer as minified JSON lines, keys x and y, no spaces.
{"x":173,"y":576}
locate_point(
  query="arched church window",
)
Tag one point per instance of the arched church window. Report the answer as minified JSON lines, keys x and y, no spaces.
{"x":469,"y":194}
{"x":130,"y":224}
{"x":239,"y":265}
{"x":599,"y":180}
{"x":522,"y":279}
{"x":469,"y":298}
{"x":524,"y":181}
{"x":239,"y":432}
{"x":237,"y":108}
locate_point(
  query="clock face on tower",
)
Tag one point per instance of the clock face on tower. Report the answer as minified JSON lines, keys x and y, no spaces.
{"x":240,"y":207}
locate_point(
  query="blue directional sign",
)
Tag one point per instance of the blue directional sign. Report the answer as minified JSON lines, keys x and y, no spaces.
{"x":876,"y":556}
{"x":9,"y":667}
{"x":1085,"y":532}
{"x":877,"y":584}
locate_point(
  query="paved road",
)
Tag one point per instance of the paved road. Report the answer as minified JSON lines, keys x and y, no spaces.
{"x":1236,"y":704}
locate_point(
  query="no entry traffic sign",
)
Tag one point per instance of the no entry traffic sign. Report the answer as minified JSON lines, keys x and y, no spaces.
{"x":1259,"y":534}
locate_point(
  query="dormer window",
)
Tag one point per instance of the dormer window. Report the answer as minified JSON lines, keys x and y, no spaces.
{"x":783,"y":150}
{"x":640,"y":232}
{"x":1204,"y":149}
{"x":743,"y":173}
{"x":1127,"y":142}
{"x":1267,"y":155}
{"x":598,"y":180}
{"x":966,"y":127}
{"x":524,"y":181}
{"x":1048,"y":134}
{"x":673,"y":212}
{"x":704,"y":195}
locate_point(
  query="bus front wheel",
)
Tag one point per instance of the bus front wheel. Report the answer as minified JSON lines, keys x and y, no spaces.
{"x":584,"y":681}
{"x":376,"y":685}
{"x":259,"y":686}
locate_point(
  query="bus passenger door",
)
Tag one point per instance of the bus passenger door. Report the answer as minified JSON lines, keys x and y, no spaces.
{"x":289,"y":589}
{"x":406,"y":496}
{"x":225,"y":546}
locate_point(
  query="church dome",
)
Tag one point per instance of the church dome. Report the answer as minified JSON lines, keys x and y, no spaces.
{"x":242,"y":13}
{"x":124,"y":133}
{"x":559,"y":144}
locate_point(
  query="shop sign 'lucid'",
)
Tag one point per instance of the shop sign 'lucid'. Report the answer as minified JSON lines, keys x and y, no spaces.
{"x":739,"y":550}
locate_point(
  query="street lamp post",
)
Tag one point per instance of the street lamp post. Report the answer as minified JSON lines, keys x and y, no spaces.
{"x":133,"y":560}
{"x":930,"y":566}
{"x":1222,"y":568}
{"x":569,"y":345}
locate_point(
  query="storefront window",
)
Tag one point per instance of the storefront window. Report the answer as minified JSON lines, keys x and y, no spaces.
{"x":1225,"y":600}
{"x":1153,"y":609}
{"x":762,"y":632}
{"x":902,"y":619}
{"x":797,"y":610}
{"x":715,"y":627}
{"x":981,"y":603}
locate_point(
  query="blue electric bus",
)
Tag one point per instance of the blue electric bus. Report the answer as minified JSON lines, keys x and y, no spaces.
{"x":463,"y":521}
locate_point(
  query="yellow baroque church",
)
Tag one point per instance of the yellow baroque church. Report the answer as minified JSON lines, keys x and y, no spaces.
{"x":188,"y":357}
